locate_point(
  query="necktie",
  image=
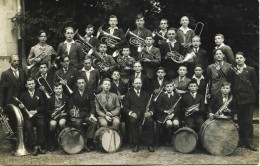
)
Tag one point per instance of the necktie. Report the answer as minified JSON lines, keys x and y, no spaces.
{"x":107,"y":97}
{"x":169,"y":95}
{"x":31,"y":94}
{"x":16,"y":75}
{"x":193,"y":95}
{"x":137,"y":75}
{"x":138,"y":93}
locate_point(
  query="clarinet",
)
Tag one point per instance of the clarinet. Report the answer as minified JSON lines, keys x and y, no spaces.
{"x":147,"y":107}
{"x":101,"y":104}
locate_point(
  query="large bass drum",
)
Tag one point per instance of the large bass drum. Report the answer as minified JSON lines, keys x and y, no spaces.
{"x":219,"y":136}
{"x":71,"y":140}
{"x":108,"y":139}
{"x":185,"y":140}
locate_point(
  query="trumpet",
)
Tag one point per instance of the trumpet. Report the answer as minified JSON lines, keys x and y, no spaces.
{"x":207,"y":94}
{"x":86,"y":47}
{"x":135,"y":40}
{"x":108,"y":38}
{"x":223,"y":107}
{"x":25,"y":109}
{"x":48,"y":92}
{"x":197,"y":25}
{"x":68,"y":88}
{"x":58,"y":112}
{"x":191,"y":109}
{"x":34,"y":62}
{"x":154,"y":34}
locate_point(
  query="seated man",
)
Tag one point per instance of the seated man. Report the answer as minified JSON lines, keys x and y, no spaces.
{"x":82,"y":109}
{"x":135,"y":104}
{"x":168,"y":111}
{"x":107,"y":106}
{"x":57,"y":107}
{"x":32,"y":101}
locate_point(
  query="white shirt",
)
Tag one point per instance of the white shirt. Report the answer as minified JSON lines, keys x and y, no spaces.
{"x":163,"y":32}
{"x":185,"y":30}
{"x":88,"y":71}
{"x":69,"y":45}
{"x":31,"y":93}
{"x":15,"y":71}
{"x":160,"y":81}
{"x":112,"y":30}
{"x":240,"y":69}
{"x":225,"y":98}
{"x":138,"y":76}
{"x":198,"y":79}
{"x":196,"y":50}
{"x":170,"y":94}
{"x":171,"y":42}
{"x":136,"y":91}
{"x":44,"y":76}
{"x":193,"y":95}
{"x":148,"y":48}
{"x":221,"y":45}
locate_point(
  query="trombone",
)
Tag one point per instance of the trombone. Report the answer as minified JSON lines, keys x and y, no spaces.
{"x":107,"y":38}
{"x":196,"y":27}
{"x":43,"y":82}
{"x":135,"y":40}
{"x":68,"y":88}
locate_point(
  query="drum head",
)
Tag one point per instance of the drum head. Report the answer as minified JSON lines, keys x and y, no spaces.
{"x":220,"y":136}
{"x":185,"y":140}
{"x":71,"y":141}
{"x":111,"y":140}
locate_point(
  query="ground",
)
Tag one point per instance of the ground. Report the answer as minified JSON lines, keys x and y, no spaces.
{"x":162,"y":156}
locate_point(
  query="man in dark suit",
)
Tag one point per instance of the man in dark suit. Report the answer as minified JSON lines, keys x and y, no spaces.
{"x":135,"y":104}
{"x":33,"y":101}
{"x":138,"y":74}
{"x":66,"y":75}
{"x":82,"y":109}
{"x":89,"y":38}
{"x":71,"y":49}
{"x":12,"y":84}
{"x":150,"y":56}
{"x":245,"y":88}
{"x":91,"y":76}
{"x":115,"y":31}
{"x":171,"y":45}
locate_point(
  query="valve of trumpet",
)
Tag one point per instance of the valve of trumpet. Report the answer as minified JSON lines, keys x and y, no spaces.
{"x":115,"y":54}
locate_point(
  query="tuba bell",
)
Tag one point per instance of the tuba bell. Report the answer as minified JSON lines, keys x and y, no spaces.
{"x":86,"y":47}
{"x":107,"y":38}
{"x":135,"y":40}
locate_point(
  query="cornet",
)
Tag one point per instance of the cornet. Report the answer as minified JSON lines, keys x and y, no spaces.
{"x":135,"y":40}
{"x":108,"y":38}
{"x":68,"y":88}
{"x":191,"y":109}
{"x":47,"y":88}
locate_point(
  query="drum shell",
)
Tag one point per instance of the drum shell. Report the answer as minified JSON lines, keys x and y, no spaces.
{"x":219,"y":136}
{"x":185,"y":140}
{"x":71,"y":140}
{"x":104,"y":136}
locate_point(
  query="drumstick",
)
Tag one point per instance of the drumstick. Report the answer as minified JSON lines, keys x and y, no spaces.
{"x":114,"y":134}
{"x":110,"y":141}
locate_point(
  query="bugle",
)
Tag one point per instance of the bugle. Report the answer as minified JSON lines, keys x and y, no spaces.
{"x":47,"y":88}
{"x":135,"y":40}
{"x":24,"y":109}
{"x":107,"y":38}
{"x":67,"y":87}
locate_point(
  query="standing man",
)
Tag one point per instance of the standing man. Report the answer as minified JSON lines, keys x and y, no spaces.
{"x":135,"y":104}
{"x":71,"y":49}
{"x":245,"y":88}
{"x":12,"y":84}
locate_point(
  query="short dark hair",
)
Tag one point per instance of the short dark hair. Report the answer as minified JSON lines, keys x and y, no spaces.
{"x":139,"y":16}
{"x":225,"y":83}
{"x":241,"y":53}
{"x":112,"y":16}
{"x":193,"y":81}
{"x":106,"y":79}
{"x":44,"y":63}
{"x":218,"y":49}
{"x":116,"y":71}
{"x":161,"y":68}
{"x":30,"y":79}
{"x":164,"y":19}
{"x":56,"y":84}
{"x":63,"y":57}
{"x":40,"y":32}
{"x":182,"y":65}
{"x":89,"y":26}
{"x":198,"y":65}
{"x":219,"y":34}
{"x":66,"y":28}
{"x":81,"y":77}
{"x":168,"y":82}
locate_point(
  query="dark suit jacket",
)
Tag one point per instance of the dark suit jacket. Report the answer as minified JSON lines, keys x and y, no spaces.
{"x":118,"y":33}
{"x":49,"y":80}
{"x":188,"y":100}
{"x":136,"y":104}
{"x":202,"y":86}
{"x":75,"y":55}
{"x":155,"y":85}
{"x":122,"y":88}
{"x":145,"y":82}
{"x":10,"y":86}
{"x":166,"y":103}
{"x":151,"y":67}
{"x":51,"y":104}
{"x":94,"y":42}
{"x":85,"y":103}
{"x":92,"y":83}
{"x":70,"y":76}
{"x":244,"y":93}
{"x":35,"y":103}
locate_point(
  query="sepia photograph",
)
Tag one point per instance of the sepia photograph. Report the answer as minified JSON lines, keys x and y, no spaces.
{"x":129,"y":82}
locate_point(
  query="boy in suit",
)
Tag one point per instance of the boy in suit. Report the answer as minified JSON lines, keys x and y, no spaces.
{"x":164,"y":104}
{"x":33,"y":101}
{"x":71,"y":49}
{"x":57,"y":107}
{"x":135,"y":104}
{"x":89,"y":38}
{"x":193,"y":107}
{"x":109,"y":101}
{"x":182,"y":81}
{"x":163,"y":32}
{"x":82,"y":110}
{"x":158,"y":84}
{"x":200,"y":79}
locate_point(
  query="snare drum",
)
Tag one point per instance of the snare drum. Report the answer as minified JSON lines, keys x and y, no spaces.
{"x":71,"y":140}
{"x":219,"y":136}
{"x":108,"y":139}
{"x":185,"y":140}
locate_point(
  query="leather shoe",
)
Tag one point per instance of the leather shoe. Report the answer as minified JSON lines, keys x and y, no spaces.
{"x":150,"y":148}
{"x":136,"y":148}
{"x":41,"y":150}
{"x":35,"y":151}
{"x":251,"y":147}
{"x":52,"y":148}
{"x":87,"y":149}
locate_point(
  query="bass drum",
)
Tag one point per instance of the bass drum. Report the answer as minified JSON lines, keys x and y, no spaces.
{"x":219,"y":136}
{"x":71,"y":140}
{"x":108,"y":139}
{"x":185,"y":140}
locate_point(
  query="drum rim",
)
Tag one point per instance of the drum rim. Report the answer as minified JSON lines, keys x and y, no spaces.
{"x":119,"y":144}
{"x":203,"y":130}
{"x":191,"y":131}
{"x":65,"y":132}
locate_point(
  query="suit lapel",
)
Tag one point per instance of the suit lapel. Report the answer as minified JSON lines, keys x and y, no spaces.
{"x":11,"y":74}
{"x":73,"y":46}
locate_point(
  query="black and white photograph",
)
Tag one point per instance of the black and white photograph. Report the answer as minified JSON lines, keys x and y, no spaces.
{"x":129,"y":82}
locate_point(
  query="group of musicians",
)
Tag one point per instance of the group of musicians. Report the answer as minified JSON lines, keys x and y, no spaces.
{"x":161,"y":77}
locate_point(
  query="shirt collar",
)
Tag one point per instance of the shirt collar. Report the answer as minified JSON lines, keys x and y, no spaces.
{"x":168,"y":41}
{"x":185,"y":30}
{"x":182,"y":79}
{"x":13,"y":69}
{"x":65,"y":70}
{"x":202,"y":77}
{"x":58,"y":97}
{"x":86,"y":36}
{"x":162,"y":31}
{"x":31,"y":92}
{"x":136,"y":91}
{"x":65,"y":42}
{"x":114,"y":28}
{"x":244,"y":66}
{"x":91,"y":69}
{"x":221,"y":45}
{"x":44,"y":74}
{"x":172,"y":93}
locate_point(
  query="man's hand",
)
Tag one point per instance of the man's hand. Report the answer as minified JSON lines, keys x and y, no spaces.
{"x":166,"y":111}
{"x":33,"y":112}
{"x":227,"y":110}
{"x":37,"y":60}
{"x":63,"y":82}
{"x":170,"y":116}
{"x":109,"y":114}
{"x":196,"y":109}
{"x":42,"y":88}
{"x":21,"y":106}
{"x":112,"y":46}
{"x":106,"y":69}
{"x":147,"y":114}
{"x":108,"y":118}
{"x":92,"y":118}
{"x":146,"y":60}
{"x":133,"y":115}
